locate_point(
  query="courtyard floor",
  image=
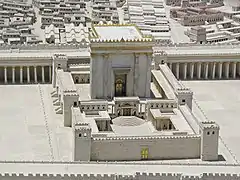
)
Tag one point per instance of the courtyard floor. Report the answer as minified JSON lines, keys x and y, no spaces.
{"x":30,"y":129}
{"x":220,"y":102}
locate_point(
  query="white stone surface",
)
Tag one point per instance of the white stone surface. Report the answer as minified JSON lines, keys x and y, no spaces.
{"x":118,"y":32}
{"x":220,"y":102}
{"x":28,"y":131}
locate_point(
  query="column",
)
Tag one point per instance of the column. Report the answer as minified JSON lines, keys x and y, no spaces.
{"x":136,"y":73}
{"x":170,"y":66}
{"x":213,"y":70}
{"x":35,"y":74}
{"x":50,"y":74}
{"x":238,"y":67}
{"x":185,"y":71}
{"x":177,"y":70}
{"x":191,"y":70}
{"x":28,"y":74}
{"x":21,"y":74}
{"x":5,"y":75}
{"x":43,"y":77}
{"x":220,"y":70}
{"x":199,"y":70}
{"x":234,"y":70}
{"x":13,"y":74}
{"x":206,"y":70}
{"x":227,"y":70}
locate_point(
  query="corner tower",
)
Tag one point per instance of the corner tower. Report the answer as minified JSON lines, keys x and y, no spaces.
{"x":209,"y":141}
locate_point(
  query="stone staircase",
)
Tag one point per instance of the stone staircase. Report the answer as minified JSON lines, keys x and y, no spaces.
{"x":54,"y":94}
{"x":58,"y":110}
{"x":56,"y":103}
{"x":128,"y":121}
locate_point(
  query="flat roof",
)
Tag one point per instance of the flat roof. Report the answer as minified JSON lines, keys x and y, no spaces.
{"x":117,"y":32}
{"x":200,"y":50}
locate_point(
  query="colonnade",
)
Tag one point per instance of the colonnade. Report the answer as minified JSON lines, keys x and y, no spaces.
{"x":205,"y":70}
{"x":25,"y":74}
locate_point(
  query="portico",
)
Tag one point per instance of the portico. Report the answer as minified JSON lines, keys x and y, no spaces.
{"x":206,"y":70}
{"x":200,"y":62}
{"x":25,"y":74}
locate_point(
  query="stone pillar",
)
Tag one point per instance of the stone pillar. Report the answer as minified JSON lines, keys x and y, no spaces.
{"x":13,"y":74}
{"x":220,"y":70}
{"x":43,"y":77}
{"x":21,"y":74}
{"x":227,"y":70}
{"x":148,"y":75}
{"x":191,"y":70}
{"x":170,"y":66}
{"x":177,"y":70}
{"x":35,"y":74}
{"x":50,"y":74}
{"x":238,"y":67}
{"x":199,"y":70}
{"x":28,"y":74}
{"x":213,"y":70}
{"x":185,"y":71}
{"x":136,"y":74}
{"x":206,"y":70}
{"x":234,"y":67}
{"x":5,"y":75}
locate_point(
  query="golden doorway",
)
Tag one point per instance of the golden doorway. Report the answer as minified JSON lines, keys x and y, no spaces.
{"x":120,"y":85}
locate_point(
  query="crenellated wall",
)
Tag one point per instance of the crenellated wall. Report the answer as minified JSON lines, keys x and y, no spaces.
{"x":134,"y":176}
{"x":159,"y":147}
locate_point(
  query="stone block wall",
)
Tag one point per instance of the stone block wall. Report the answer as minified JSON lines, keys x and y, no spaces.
{"x":129,"y":148}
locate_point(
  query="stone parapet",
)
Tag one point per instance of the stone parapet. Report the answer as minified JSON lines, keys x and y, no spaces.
{"x":125,"y":138}
{"x":43,"y":46}
{"x":134,"y":176}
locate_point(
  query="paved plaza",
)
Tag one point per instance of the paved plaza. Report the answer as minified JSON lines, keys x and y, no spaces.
{"x":220,"y":102}
{"x":30,"y":129}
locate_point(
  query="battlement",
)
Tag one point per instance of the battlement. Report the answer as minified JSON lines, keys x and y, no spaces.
{"x":120,"y":40}
{"x":83,"y":127}
{"x":220,"y":175}
{"x":57,"y":176}
{"x":124,"y":138}
{"x":32,"y":176}
{"x":186,"y":177}
{"x":158,"y":174}
{"x":42,"y":46}
{"x":155,"y":103}
{"x":209,"y":125}
{"x":208,"y":44}
{"x":81,"y":124}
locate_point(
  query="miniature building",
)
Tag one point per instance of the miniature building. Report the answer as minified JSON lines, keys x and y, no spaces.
{"x":150,"y":17}
{"x":195,"y":16}
{"x":104,"y":11}
{"x":114,"y":119}
{"x":69,"y":34}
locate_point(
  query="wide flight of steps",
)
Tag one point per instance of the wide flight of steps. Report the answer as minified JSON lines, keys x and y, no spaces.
{"x":128,"y":121}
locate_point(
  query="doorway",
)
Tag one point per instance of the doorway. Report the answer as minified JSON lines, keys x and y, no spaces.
{"x":127,"y":112}
{"x":120,"y":85}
